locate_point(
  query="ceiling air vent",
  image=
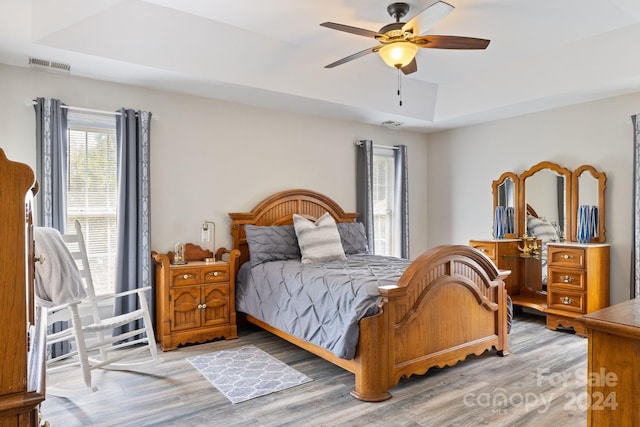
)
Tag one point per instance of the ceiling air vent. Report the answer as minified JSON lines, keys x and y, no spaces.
{"x":49,"y":66}
{"x":391,"y":124}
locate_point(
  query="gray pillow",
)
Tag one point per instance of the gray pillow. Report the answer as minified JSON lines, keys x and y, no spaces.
{"x":353,"y":237}
{"x":271,"y":243}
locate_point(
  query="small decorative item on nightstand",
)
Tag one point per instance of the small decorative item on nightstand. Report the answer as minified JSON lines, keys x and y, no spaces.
{"x":206,"y":237}
{"x":178,"y":256}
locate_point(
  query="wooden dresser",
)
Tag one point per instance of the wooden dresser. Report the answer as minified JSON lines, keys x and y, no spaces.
{"x":577,"y":279}
{"x":613,"y":385}
{"x":23,"y":332}
{"x":506,"y":256}
{"x":577,"y":283}
{"x":195,"y":302}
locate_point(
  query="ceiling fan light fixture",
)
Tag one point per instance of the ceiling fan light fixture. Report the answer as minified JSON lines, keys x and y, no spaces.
{"x":398,"y":54}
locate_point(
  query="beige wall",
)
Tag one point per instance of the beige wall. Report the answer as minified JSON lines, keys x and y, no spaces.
{"x":210,"y":157}
{"x":464,"y":162}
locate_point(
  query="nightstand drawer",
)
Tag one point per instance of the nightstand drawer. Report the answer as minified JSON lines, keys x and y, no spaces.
{"x":572,"y":279}
{"x":487,"y":248}
{"x":566,"y":257}
{"x":185,"y":277}
{"x":215,"y":274}
{"x":566,"y":300}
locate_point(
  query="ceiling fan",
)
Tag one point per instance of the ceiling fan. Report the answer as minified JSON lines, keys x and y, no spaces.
{"x":400,"y":42}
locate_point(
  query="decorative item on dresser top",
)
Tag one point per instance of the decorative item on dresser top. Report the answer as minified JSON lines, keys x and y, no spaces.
{"x":401,"y":318}
{"x":195,"y":301}
{"x":555,"y":275}
{"x":22,"y":356}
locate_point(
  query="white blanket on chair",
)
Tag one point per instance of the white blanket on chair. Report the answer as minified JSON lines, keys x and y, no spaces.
{"x":57,"y":280}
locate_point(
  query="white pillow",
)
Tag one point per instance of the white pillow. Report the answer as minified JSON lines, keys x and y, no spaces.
{"x":542,"y":229}
{"x":319,"y":242}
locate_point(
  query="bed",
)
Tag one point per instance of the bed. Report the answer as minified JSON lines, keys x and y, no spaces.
{"x":449,"y":303}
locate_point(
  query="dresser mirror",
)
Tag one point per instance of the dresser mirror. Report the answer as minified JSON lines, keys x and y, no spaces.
{"x":505,"y":194}
{"x":545,"y":195}
{"x":588,"y":190}
{"x":551,"y":192}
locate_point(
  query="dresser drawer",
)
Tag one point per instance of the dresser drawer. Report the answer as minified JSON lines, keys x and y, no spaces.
{"x":566,"y":300}
{"x":487,"y":248}
{"x":570,"y":279}
{"x":181,"y":277}
{"x":215,"y":274}
{"x":566,"y":257}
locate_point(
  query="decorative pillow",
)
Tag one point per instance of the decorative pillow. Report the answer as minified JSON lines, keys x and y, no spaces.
{"x":541,"y":228}
{"x":319,"y":242}
{"x":353,"y":237}
{"x":271,"y":243}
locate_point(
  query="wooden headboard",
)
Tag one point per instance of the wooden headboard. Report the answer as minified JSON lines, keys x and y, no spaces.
{"x":278,"y":209}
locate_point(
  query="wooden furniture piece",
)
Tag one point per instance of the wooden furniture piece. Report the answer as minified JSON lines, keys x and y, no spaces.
{"x":23,"y":340}
{"x":450,"y":302}
{"x":505,"y":193}
{"x":195,"y":302}
{"x":543,"y":187}
{"x":506,"y":256}
{"x":578,"y":283}
{"x":582,"y":186}
{"x":613,"y":385}
{"x":524,"y":285}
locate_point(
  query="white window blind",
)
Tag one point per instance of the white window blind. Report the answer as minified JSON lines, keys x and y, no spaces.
{"x":92,"y":191}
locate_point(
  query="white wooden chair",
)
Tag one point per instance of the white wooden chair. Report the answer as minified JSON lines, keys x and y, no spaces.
{"x":92,"y":332}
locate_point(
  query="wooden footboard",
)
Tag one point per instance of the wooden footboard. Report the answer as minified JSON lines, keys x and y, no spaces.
{"x":450,"y":303}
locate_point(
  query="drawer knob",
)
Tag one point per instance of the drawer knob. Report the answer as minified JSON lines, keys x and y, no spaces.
{"x":186,"y":276}
{"x":565,"y":256}
{"x":567,"y":279}
{"x":566,"y":300}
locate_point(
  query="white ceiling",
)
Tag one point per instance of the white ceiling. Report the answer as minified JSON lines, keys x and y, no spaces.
{"x":543,"y":53}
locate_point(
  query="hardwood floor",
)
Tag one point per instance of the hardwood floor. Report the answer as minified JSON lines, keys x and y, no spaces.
{"x":542,"y":382}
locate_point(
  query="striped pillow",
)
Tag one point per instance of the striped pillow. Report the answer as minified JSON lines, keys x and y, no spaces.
{"x":319,"y":242}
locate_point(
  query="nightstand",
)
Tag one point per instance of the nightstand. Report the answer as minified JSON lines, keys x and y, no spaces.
{"x":195,"y":302}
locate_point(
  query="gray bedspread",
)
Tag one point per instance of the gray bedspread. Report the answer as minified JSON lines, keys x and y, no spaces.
{"x":318,"y":303}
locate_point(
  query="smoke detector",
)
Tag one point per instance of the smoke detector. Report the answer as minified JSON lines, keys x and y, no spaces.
{"x":49,"y":66}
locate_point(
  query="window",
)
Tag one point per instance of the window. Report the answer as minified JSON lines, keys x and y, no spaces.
{"x":383,"y":201}
{"x":92,"y":191}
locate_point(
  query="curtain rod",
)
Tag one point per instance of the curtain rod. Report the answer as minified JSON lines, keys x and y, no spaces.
{"x":359,"y":143}
{"x":86,"y":110}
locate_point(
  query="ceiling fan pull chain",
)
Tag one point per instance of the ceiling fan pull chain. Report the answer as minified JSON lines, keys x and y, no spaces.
{"x":400,"y":86}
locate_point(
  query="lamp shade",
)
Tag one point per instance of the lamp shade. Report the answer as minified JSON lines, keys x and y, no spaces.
{"x":398,"y":54}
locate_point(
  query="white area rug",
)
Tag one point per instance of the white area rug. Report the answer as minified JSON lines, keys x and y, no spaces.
{"x":246,"y":372}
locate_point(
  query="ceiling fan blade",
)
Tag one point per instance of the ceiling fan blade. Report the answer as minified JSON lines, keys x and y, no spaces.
{"x":428,"y":17}
{"x":353,"y":56}
{"x":411,"y":67}
{"x":451,"y":42}
{"x":350,"y":29}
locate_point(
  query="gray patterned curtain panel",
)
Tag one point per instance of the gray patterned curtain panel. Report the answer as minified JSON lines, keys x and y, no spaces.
{"x":635,"y":261}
